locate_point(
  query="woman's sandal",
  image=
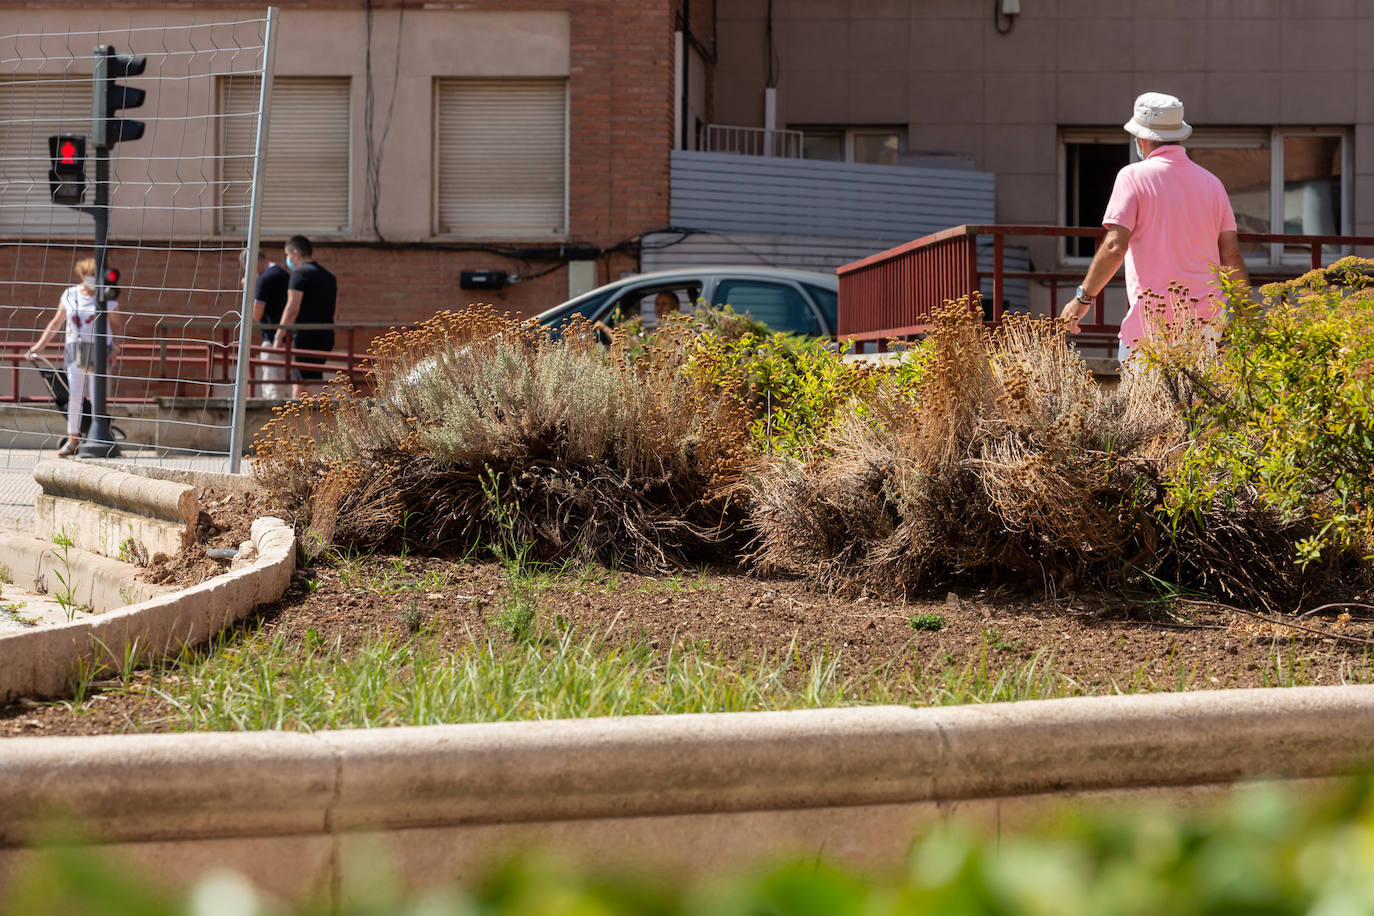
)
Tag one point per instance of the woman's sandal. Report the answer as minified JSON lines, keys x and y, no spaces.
{"x":68,"y":448}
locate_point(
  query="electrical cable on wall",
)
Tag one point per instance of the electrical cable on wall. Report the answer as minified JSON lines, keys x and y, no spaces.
{"x":998,"y":15}
{"x":770,"y":51}
{"x":372,"y":171}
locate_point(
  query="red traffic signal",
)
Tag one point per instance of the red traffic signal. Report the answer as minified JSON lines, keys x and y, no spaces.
{"x":109,"y":284}
{"x":67,"y":169}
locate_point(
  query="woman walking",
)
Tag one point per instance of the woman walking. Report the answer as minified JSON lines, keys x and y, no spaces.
{"x":76,"y":310}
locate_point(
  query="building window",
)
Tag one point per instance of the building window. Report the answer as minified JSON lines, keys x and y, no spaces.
{"x":1280,"y":180}
{"x":306,"y":176}
{"x":868,"y":145}
{"x":31,"y":110}
{"x":501,"y":157}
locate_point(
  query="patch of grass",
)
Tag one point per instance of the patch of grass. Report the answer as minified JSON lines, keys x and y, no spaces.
{"x":11,"y":610}
{"x":993,"y":637}
{"x":599,"y":580}
{"x":930,"y":622}
{"x":267,"y":683}
{"x":66,"y":595}
{"x":412,"y":618}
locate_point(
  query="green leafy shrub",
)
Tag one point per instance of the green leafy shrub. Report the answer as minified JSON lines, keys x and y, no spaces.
{"x":1263,"y":853}
{"x":1283,"y":424}
{"x":799,"y":389}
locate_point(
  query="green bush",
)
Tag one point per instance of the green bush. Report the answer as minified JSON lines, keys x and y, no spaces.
{"x":799,"y":389}
{"x":1264,"y":853}
{"x":1287,"y":413}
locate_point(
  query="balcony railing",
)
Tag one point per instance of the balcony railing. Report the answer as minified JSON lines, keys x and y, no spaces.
{"x":892,"y":294}
{"x":753,"y":141}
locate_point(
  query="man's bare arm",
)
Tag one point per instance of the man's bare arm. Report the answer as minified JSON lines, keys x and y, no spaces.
{"x":1105,"y":264}
{"x":1228,"y":245}
{"x":288,"y":314}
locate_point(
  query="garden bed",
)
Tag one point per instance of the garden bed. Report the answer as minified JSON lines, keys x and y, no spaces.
{"x":494,"y":642}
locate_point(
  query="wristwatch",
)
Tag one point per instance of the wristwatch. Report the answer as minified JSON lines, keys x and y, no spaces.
{"x":1082,"y":296}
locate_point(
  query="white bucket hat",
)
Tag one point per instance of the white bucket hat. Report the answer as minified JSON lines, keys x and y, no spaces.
{"x":1158,"y":117}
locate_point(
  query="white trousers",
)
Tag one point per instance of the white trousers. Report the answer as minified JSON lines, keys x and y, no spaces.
{"x":270,"y":374}
{"x":80,"y":383}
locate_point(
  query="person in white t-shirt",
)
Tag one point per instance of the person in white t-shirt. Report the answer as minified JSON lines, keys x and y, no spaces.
{"x":76,"y":312}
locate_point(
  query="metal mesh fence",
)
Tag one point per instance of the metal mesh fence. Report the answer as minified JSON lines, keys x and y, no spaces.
{"x":178,"y":199}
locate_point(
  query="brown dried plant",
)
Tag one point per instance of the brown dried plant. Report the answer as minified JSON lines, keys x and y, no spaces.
{"x":1013,"y":464}
{"x":482,"y":429}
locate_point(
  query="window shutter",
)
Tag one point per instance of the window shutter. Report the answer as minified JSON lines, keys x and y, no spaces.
{"x":502,"y":157}
{"x":31,"y":110}
{"x":306,"y":179}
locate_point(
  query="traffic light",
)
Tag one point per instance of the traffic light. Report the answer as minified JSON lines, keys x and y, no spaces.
{"x":109,"y":284}
{"x":109,"y":96}
{"x":67,"y":175}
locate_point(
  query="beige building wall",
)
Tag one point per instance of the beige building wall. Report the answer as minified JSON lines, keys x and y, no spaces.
{"x":177,"y":154}
{"x":939,"y":69}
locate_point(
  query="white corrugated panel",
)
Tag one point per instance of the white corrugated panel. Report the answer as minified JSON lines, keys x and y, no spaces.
{"x":306,"y":178}
{"x":32,"y":109}
{"x":501,"y":157}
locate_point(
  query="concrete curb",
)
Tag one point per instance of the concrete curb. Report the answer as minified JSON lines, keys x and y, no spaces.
{"x":42,"y":662}
{"x":99,"y":507}
{"x":99,"y":582}
{"x":159,"y":787}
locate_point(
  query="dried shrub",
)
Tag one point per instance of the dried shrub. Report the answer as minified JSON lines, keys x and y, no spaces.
{"x":329,"y":494}
{"x":1010,"y":462}
{"x":485,"y":430}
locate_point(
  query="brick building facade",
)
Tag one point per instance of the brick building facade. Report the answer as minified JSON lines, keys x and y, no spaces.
{"x":395,"y":260}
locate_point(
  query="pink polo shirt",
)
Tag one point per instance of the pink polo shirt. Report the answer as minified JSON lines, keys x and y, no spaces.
{"x":1175,"y":210}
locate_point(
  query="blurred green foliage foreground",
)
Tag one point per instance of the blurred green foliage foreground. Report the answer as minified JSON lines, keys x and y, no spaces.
{"x":1264,"y":852}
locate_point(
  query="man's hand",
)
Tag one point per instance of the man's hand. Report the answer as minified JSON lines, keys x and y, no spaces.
{"x":1073,"y":312}
{"x":280,"y":339}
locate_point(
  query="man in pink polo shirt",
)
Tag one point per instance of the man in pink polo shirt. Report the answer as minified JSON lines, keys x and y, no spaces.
{"x":1169,"y":219}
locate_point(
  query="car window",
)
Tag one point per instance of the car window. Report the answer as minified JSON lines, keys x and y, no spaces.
{"x":653,"y":303}
{"x":828,"y":302}
{"x":779,"y":306}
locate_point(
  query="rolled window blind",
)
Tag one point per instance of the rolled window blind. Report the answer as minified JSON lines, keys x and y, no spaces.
{"x":501,"y":157}
{"x":306,"y":177}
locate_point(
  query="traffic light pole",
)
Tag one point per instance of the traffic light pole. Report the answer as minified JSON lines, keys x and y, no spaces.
{"x":100,"y":442}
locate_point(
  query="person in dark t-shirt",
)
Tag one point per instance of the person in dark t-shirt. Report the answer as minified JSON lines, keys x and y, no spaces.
{"x":269,"y":301}
{"x":311,"y":296}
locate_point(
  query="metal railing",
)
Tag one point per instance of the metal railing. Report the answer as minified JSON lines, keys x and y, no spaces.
{"x":892,"y":294}
{"x":168,"y":363}
{"x":753,"y":141}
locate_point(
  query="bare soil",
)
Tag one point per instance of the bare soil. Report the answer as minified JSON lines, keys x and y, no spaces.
{"x":1103,"y":642}
{"x":226,"y":520}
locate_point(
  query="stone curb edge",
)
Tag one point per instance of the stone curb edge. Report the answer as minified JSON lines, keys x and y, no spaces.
{"x":258,"y":784}
{"x":41,"y":662}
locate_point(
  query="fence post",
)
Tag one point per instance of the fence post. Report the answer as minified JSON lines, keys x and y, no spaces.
{"x":250,"y":265}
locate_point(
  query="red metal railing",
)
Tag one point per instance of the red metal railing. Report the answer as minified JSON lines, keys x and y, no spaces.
{"x":893,"y":293}
{"x":181,"y":360}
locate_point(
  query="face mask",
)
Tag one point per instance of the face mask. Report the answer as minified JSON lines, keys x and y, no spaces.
{"x":88,"y":281}
{"x":290,"y":265}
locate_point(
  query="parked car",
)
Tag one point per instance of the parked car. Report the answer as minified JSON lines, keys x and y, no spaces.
{"x":797,"y":301}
